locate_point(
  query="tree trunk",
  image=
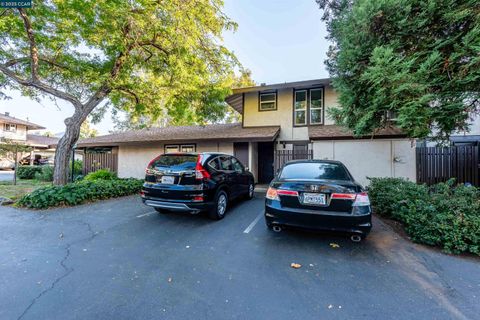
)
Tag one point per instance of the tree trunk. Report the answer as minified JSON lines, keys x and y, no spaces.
{"x":65,"y":147}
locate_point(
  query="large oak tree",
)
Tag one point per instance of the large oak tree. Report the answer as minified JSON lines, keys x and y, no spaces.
{"x":416,"y":59}
{"x":152,"y":57}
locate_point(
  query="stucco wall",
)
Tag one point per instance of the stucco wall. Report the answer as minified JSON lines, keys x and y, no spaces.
{"x":370,"y":158}
{"x":283,"y":116}
{"x":20,"y":134}
{"x":133,"y":159}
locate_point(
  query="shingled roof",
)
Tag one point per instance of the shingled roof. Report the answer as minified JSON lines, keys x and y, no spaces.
{"x":9,"y":119}
{"x":36,"y":140}
{"x":329,"y":132}
{"x":217,"y":132}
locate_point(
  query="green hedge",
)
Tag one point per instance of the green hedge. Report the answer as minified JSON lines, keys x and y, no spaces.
{"x":45,"y":174}
{"x":79,"y":192}
{"x":28,"y":172}
{"x":445,"y":215}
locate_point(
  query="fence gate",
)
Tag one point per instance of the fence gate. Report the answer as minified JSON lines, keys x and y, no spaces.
{"x":437,"y":164}
{"x":282,"y":156}
{"x":93,"y":161}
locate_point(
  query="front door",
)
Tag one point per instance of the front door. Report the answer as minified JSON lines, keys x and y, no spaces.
{"x":265,"y":162}
{"x":240,"y":151}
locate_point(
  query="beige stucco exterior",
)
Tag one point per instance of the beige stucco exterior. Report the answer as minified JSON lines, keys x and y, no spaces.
{"x":134,"y":158}
{"x":19,"y":135}
{"x":283,"y":116}
{"x":370,"y":158}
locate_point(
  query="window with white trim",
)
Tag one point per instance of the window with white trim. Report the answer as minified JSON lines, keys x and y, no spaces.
{"x":267,"y":101}
{"x":316,"y":106}
{"x":10,"y":127}
{"x":308,"y":107}
{"x":180,"y":148}
{"x":300,"y":108}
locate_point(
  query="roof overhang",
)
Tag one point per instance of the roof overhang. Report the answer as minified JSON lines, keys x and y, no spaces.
{"x":209,"y":133}
{"x":333,"y":132}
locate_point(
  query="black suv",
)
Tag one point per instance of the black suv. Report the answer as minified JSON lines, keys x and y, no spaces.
{"x":195,"y":182}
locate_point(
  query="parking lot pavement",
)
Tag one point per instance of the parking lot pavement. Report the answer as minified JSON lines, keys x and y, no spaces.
{"x":118,"y":259}
{"x":6,"y":175}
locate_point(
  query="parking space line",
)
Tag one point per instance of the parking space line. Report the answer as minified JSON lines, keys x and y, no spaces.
{"x":254,"y":222}
{"x":145,"y":214}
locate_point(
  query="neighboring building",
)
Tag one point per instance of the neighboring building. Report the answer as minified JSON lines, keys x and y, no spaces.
{"x":15,"y":129}
{"x":280,"y":122}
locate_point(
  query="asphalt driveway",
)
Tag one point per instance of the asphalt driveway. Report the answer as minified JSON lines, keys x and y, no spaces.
{"x":121,"y":260}
{"x":6,"y":175}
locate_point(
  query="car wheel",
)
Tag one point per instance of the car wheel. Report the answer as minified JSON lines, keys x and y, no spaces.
{"x":268,"y":224}
{"x":220,"y":206}
{"x":160,"y":210}
{"x":251,"y":191}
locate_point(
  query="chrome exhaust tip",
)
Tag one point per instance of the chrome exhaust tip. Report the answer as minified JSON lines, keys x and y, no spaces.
{"x":355,"y":238}
{"x":277,"y":228}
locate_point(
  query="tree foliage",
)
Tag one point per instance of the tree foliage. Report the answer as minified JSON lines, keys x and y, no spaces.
{"x":417,"y":59}
{"x":142,"y":56}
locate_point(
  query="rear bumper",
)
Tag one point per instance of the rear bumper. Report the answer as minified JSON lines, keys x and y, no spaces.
{"x":317,"y":220}
{"x":186,"y":206}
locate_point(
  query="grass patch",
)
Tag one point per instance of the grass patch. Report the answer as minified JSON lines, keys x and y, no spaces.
{"x":15,"y":192}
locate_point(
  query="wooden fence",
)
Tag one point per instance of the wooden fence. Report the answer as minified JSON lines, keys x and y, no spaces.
{"x":435,"y":164}
{"x":95,"y":161}
{"x":282,"y":156}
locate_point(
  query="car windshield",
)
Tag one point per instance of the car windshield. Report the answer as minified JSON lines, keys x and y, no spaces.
{"x":314,"y":170}
{"x":176,"y":162}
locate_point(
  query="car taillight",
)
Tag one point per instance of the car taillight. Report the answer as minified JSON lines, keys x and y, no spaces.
{"x":273,"y":193}
{"x":200,"y":172}
{"x":149,"y":169}
{"x":344,"y":196}
{"x":362,"y":200}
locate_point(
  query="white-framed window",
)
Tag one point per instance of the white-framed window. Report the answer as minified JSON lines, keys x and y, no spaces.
{"x":300,"y":108}
{"x":187,"y":147}
{"x":267,"y":101}
{"x":10,"y":127}
{"x":316,"y":106}
{"x":180,"y":148}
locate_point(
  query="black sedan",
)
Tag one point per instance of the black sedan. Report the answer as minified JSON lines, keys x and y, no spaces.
{"x":195,"y":182}
{"x":318,"y":195}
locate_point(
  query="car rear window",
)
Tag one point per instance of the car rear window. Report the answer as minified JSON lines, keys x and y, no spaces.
{"x":176,"y":162}
{"x":314,"y":170}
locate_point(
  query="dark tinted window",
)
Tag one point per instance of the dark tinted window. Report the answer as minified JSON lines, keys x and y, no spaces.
{"x":237,"y":166}
{"x":214,"y":164}
{"x":312,"y":170}
{"x":176,"y":162}
{"x":226,"y":163}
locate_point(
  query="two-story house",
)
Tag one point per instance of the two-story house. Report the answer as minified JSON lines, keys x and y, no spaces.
{"x":14,"y":129}
{"x":279,"y":122}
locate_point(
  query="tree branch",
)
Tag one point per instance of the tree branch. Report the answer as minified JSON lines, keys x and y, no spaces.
{"x":12,"y":62}
{"x":41,"y":86}
{"x":130,"y":92}
{"x":33,"y":45}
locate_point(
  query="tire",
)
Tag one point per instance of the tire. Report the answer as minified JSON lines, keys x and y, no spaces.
{"x":220,"y":206}
{"x":251,"y":192}
{"x":162,"y":211}
{"x":268,"y":224}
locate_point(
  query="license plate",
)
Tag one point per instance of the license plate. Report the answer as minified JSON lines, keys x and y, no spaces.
{"x":314,"y":198}
{"x":168,"y":180}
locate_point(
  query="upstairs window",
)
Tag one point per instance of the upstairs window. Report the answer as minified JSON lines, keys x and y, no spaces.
{"x":10,"y":127}
{"x":308,"y":107}
{"x":316,"y":106}
{"x":267,"y":101}
{"x":300,"y":112}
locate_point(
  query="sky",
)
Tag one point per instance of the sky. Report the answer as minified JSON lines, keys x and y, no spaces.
{"x":278,"y":40}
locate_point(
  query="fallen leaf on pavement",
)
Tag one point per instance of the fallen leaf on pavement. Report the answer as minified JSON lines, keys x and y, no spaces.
{"x":334,"y":245}
{"x":295,"y":265}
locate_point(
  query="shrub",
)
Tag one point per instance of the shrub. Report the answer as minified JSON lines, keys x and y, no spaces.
{"x":77,"y":168}
{"x":27,"y":172}
{"x":45,"y":174}
{"x":445,"y":215}
{"x":79,"y":192}
{"x":102,"y":174}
